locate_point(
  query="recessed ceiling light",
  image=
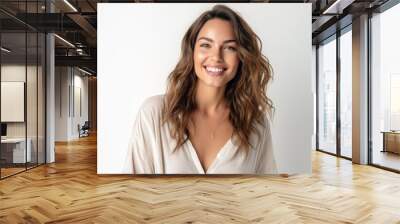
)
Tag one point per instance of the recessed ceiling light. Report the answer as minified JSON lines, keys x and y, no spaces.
{"x":70,"y":5}
{"x":337,"y":7}
{"x":84,"y":71}
{"x":5,"y":50}
{"x":64,"y":40}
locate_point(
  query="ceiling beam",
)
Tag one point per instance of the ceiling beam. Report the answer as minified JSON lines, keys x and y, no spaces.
{"x":84,"y":24}
{"x":85,"y":61}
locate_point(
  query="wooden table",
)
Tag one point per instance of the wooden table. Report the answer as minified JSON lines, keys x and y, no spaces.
{"x":391,"y":141}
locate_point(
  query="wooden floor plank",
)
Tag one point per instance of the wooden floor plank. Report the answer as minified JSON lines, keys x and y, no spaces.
{"x":70,"y":191}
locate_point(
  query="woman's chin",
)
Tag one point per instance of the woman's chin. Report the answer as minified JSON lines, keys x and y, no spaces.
{"x":215,"y":84}
{"x":212,"y":81}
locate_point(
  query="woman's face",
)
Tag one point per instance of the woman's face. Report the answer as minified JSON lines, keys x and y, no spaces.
{"x":215,"y":53}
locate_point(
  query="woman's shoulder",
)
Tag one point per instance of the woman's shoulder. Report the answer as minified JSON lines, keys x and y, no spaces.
{"x":152,"y":105}
{"x":265,"y":123}
{"x":263,"y":129}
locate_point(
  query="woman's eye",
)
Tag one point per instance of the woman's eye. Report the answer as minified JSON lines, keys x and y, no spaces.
{"x":205,"y":45}
{"x":230,"y":48}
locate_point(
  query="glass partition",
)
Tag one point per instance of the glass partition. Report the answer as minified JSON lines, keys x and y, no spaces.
{"x":13,"y":104}
{"x":41,"y":86}
{"x":32,"y":95}
{"x":22,"y":63}
{"x":32,"y":85}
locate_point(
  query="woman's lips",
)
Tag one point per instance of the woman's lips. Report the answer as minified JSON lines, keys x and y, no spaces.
{"x":214,"y":70}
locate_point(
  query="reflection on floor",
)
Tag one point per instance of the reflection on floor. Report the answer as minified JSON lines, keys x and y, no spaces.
{"x":346,"y":152}
{"x":386,"y":159}
{"x":10,"y":169}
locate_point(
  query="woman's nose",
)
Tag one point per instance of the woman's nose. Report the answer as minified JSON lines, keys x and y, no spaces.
{"x":217,"y":54}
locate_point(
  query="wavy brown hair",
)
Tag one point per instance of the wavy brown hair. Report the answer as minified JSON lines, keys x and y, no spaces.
{"x":245,"y":94}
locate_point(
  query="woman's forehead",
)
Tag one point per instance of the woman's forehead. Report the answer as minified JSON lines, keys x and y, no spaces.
{"x":217,"y":30}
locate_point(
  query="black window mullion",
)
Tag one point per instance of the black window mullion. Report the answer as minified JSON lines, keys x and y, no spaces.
{"x":37,"y":90}
{"x":369,"y":90}
{"x":338,"y":92}
{"x":45,"y":92}
{"x":26,"y":87}
{"x":0,"y":97}
{"x":317,"y":95}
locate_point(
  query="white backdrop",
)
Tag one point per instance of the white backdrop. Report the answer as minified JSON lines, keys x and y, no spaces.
{"x":139,"y":45}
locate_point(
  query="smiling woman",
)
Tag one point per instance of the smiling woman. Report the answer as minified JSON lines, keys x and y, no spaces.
{"x":213,"y":118}
{"x":215,"y":54}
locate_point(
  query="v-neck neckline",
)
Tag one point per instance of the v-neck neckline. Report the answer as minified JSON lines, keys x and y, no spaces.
{"x":196,"y":159}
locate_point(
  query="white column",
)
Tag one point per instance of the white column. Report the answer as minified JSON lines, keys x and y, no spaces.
{"x":360,"y":90}
{"x":50,"y":93}
{"x":50,"y":110}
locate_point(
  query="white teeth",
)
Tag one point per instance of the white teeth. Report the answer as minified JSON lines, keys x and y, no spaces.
{"x":214,"y":69}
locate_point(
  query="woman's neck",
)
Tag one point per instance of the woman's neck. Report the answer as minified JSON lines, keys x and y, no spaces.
{"x":210,"y":100}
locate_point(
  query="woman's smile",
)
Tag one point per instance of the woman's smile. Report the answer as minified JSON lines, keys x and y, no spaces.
{"x":215,"y":70}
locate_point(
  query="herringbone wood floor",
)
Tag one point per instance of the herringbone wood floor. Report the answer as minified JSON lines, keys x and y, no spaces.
{"x":70,"y":191}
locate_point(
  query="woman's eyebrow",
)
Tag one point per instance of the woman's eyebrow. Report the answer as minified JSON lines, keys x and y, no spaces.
{"x":229,"y":41}
{"x":207,"y":39}
{"x":211,"y":40}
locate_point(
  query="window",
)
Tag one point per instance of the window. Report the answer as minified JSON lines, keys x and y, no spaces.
{"x":385,"y":88}
{"x":327,"y":96}
{"x":346,"y":93}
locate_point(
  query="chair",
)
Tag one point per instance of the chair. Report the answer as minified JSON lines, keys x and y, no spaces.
{"x":84,"y":130}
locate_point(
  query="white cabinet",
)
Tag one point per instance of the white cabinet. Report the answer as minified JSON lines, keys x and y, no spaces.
{"x":18,"y":149}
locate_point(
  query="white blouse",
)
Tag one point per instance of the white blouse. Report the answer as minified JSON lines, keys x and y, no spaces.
{"x":151,"y":149}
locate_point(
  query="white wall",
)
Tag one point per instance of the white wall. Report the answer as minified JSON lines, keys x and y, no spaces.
{"x":61,"y":103}
{"x":139,"y":44}
{"x":67,"y":85}
{"x":80,"y":82}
